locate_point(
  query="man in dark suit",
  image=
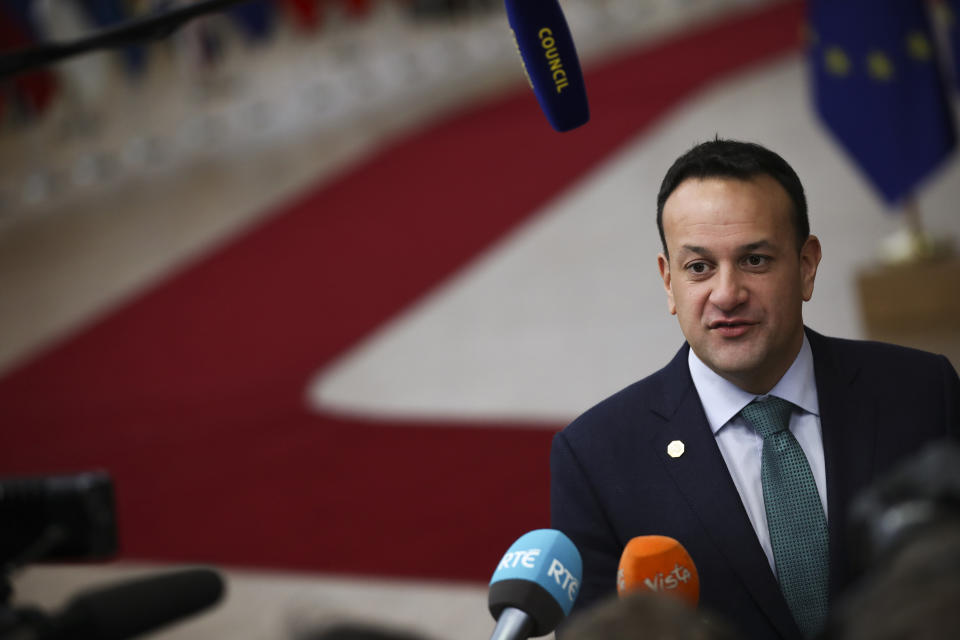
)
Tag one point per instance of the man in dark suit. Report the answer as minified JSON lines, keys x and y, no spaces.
{"x":749,"y":446}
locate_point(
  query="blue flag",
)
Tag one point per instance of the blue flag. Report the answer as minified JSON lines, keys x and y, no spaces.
{"x":878,"y":86}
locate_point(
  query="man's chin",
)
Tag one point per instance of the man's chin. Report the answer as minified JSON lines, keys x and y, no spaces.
{"x":734,"y":361}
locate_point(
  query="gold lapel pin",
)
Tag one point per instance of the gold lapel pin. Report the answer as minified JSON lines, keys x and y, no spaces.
{"x":675,"y":449}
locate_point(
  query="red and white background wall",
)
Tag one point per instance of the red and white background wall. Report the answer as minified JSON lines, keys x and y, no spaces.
{"x":320,"y":311}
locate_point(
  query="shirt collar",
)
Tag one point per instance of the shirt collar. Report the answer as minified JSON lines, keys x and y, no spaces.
{"x":722,"y":400}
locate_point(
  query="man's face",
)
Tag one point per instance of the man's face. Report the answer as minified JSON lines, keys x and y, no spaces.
{"x":734,"y":278}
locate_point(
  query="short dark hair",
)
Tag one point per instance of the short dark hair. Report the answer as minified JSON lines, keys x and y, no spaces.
{"x":739,"y":160}
{"x":645,"y":614}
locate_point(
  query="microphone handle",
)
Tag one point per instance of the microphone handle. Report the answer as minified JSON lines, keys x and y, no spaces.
{"x":513,"y":624}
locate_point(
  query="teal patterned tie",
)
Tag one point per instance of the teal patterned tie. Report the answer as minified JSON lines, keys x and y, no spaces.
{"x":798,"y":528}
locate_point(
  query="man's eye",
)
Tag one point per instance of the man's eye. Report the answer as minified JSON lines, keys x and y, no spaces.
{"x":756,"y":261}
{"x":698,"y":267}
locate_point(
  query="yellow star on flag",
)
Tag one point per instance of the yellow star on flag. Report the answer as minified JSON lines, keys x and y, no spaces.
{"x":879,"y":66}
{"x":837,"y":61}
{"x":918,"y":46}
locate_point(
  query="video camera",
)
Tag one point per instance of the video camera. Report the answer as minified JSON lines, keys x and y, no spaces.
{"x":55,"y":518}
{"x":72,"y":517}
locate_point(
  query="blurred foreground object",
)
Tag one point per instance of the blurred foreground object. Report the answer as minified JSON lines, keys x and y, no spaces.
{"x":916,"y":596}
{"x":918,"y":496}
{"x":907,"y":528}
{"x":120,"y":610}
{"x":73,"y":517}
{"x":120,"y":33}
{"x":642,"y":614}
{"x":357,"y":631}
{"x":51,"y":517}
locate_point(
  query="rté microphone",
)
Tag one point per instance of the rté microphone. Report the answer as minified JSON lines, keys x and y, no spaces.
{"x":535,"y":585}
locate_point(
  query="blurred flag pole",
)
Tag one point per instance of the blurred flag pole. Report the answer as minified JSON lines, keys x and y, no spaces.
{"x":913,"y":242}
{"x":948,"y":20}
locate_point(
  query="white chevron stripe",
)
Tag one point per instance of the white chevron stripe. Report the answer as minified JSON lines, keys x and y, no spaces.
{"x":570,"y":308}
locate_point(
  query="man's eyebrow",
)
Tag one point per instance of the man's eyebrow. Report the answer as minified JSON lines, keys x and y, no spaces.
{"x":747,"y":248}
{"x":702,"y":251}
{"x":760,"y":244}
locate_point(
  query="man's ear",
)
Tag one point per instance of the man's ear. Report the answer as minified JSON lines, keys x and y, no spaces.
{"x":664,"y":265}
{"x":809,"y":260}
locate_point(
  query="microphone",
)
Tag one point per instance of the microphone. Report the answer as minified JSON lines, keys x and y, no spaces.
{"x":133,"y":607}
{"x":550,"y":61}
{"x":130,"y":32}
{"x":659,"y":564}
{"x":535,"y":585}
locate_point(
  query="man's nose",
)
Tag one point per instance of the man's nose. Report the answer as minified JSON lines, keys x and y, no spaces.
{"x":729,"y":290}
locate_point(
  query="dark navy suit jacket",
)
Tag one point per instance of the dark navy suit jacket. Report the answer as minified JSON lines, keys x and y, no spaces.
{"x":612,"y":479}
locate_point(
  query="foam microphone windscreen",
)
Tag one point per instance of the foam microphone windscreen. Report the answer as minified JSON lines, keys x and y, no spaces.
{"x":136,"y":606}
{"x":550,"y":60}
{"x":540,"y":575}
{"x":659,"y":564}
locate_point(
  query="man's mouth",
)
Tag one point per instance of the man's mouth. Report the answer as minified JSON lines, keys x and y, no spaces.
{"x":731,"y":328}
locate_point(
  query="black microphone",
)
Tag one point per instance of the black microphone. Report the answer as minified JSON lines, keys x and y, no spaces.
{"x":130,"y":32}
{"x":129,"y":608}
{"x":550,"y":60}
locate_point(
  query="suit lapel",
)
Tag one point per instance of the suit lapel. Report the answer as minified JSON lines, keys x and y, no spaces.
{"x":701,"y":475}
{"x":848,"y":424}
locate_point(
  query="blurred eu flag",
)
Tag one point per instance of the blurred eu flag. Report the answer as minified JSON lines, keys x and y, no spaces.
{"x":878,"y":86}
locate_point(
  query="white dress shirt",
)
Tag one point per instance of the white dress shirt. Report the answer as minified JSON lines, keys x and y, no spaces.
{"x":742,"y":447}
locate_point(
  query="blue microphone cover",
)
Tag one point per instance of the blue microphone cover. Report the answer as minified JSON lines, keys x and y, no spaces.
{"x":539,"y":574}
{"x":550,"y":59}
